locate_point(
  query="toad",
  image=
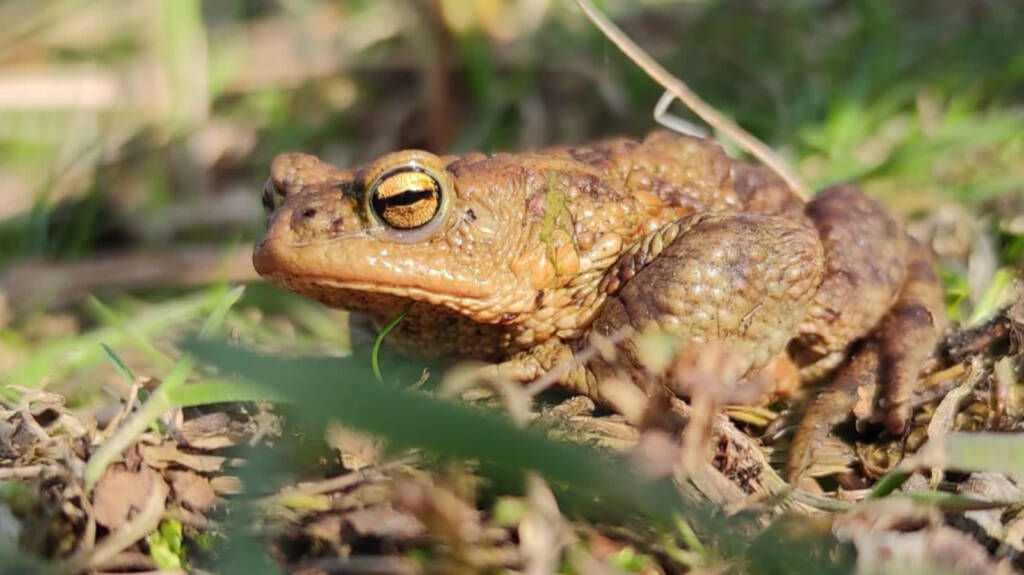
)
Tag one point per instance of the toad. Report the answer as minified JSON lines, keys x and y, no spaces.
{"x":518,"y":258}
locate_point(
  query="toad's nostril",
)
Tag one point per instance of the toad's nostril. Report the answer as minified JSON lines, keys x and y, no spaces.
{"x":308,"y":212}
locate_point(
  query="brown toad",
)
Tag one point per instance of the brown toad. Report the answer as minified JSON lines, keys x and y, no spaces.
{"x":516,"y":258}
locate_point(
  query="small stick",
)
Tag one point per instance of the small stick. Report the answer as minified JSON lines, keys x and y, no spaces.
{"x":26,"y":472}
{"x":680,"y":90}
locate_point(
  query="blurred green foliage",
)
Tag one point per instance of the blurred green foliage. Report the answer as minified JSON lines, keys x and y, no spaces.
{"x":914,"y":97}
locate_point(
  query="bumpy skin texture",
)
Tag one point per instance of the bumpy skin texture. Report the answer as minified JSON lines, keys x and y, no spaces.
{"x":529,"y":253}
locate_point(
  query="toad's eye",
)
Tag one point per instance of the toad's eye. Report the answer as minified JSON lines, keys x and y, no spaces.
{"x":406,"y":199}
{"x":272,"y":197}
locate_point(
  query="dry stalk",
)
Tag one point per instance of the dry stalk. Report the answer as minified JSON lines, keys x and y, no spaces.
{"x":705,"y":111}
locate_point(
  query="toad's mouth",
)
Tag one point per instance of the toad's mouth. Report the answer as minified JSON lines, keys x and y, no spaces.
{"x":366,"y":277}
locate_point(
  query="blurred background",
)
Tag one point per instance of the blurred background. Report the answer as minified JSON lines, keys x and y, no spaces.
{"x":143,"y":131}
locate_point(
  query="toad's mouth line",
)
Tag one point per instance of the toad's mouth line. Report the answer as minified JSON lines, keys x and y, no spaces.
{"x":316,"y":285}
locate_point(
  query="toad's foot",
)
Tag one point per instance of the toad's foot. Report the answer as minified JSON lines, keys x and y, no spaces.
{"x":885,"y":366}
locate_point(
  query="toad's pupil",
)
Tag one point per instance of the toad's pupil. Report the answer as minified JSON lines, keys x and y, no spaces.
{"x":271,"y":197}
{"x":406,"y":200}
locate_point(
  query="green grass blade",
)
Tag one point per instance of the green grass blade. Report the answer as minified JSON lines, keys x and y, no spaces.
{"x":217,"y":391}
{"x":119,"y":364}
{"x":379,"y":342}
{"x":225,"y":303}
{"x":961,"y":451}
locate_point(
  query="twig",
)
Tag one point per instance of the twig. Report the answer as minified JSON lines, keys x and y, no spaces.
{"x":31,"y":423}
{"x":944,"y":418}
{"x":129,"y":405}
{"x":26,"y":472}
{"x":680,"y":90}
{"x":335,"y":483}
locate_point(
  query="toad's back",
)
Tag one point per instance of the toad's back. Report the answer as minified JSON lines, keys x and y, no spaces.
{"x":518,"y":241}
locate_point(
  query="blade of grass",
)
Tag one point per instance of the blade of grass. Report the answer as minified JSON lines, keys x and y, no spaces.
{"x":119,"y":364}
{"x":994,"y":452}
{"x":219,"y":391}
{"x":992,"y":298}
{"x":379,"y":342}
{"x":888,"y":483}
{"x":225,"y":302}
{"x":956,"y":502}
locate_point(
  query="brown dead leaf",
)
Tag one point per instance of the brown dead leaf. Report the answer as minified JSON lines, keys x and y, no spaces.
{"x":160,"y":455}
{"x":384,"y":522}
{"x":207,"y":432}
{"x":120,"y":494}
{"x":227,"y":485}
{"x":192,"y":490}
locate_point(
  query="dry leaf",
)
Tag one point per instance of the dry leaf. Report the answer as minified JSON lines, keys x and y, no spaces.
{"x":192,"y":490}
{"x":160,"y":455}
{"x":384,"y":522}
{"x":120,"y":494}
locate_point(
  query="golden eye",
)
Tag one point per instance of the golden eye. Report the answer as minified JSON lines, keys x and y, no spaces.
{"x":272,"y":197}
{"x":406,"y":199}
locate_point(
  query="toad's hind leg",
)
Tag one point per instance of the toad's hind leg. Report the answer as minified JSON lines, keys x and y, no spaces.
{"x":879,"y":289}
{"x":741,"y":280}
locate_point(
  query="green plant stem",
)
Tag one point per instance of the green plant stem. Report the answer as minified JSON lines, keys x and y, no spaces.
{"x":889,"y":483}
{"x":379,"y":342}
{"x":689,"y":536}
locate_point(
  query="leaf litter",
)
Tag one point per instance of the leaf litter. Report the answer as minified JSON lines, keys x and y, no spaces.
{"x":374,"y":505}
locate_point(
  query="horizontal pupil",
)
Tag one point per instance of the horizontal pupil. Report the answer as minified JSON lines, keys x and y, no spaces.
{"x":406,"y":198}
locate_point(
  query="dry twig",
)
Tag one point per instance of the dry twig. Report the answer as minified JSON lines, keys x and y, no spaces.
{"x":705,"y":111}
